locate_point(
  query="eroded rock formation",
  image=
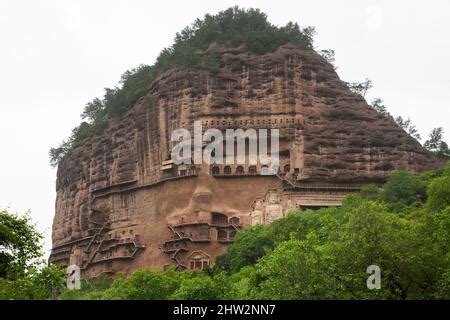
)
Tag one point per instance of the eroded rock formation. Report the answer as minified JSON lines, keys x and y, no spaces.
{"x":122,"y":204}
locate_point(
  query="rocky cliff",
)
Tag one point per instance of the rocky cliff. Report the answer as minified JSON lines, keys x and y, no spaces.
{"x":121,"y":204}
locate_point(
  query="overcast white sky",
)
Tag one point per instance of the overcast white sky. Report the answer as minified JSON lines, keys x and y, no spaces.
{"x":55,"y":56}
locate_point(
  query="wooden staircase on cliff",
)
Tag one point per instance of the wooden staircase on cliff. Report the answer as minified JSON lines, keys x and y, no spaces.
{"x":284,"y":179}
{"x":181,"y":241}
{"x":176,"y":251}
{"x":178,"y":244}
{"x":96,"y":241}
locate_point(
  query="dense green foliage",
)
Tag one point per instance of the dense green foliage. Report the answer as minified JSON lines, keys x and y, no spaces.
{"x":403,"y":189}
{"x":19,"y":244}
{"x":404,"y":228}
{"x":320,"y":254}
{"x":36,"y":284}
{"x":247,"y":249}
{"x":23,"y":275}
{"x":438,"y":191}
{"x":191,"y":48}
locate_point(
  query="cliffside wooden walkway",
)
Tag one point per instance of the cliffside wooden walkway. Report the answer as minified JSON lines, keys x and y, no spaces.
{"x":178,"y":244}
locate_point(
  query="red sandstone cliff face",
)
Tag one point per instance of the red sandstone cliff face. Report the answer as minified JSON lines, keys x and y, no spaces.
{"x":328,"y":135}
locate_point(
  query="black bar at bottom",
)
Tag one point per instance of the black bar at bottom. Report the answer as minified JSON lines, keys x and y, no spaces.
{"x":262,"y":309}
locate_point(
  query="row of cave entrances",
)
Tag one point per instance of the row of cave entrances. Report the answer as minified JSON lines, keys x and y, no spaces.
{"x":252,"y":170}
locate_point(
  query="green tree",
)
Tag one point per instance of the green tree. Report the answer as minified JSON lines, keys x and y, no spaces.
{"x":248,"y":247}
{"x":47,"y":281}
{"x":241,"y":284}
{"x":439,"y":192}
{"x":36,"y":284}
{"x":295,"y":222}
{"x":331,"y":262}
{"x":19,"y":244}
{"x":402,"y":190}
{"x":372,"y":236}
{"x":93,"y":111}
{"x":436,"y":144}
{"x":57,"y":154}
{"x":360,"y":88}
{"x":328,"y":55}
{"x":292,"y":271}
{"x":201,"y":287}
{"x":408,"y":126}
{"x":378,"y":105}
{"x":371,"y":192}
{"x":91,"y":289}
{"x":145,"y":285}
{"x":23,"y":274}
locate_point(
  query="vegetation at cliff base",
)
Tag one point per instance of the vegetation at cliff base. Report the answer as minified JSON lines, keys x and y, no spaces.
{"x":191,"y":48}
{"x":23,"y":272}
{"x":403,"y":228}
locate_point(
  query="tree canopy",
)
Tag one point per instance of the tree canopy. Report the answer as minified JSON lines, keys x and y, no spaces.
{"x":436,"y":144}
{"x":408,"y":126}
{"x":402,"y":190}
{"x":23,"y":273}
{"x":19,"y":244}
{"x":360,"y":88}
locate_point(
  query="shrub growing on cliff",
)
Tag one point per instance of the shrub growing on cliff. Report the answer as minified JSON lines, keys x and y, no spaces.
{"x":191,"y":48}
{"x":360,"y":88}
{"x":408,"y":126}
{"x":436,"y":144}
{"x":377,"y":104}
